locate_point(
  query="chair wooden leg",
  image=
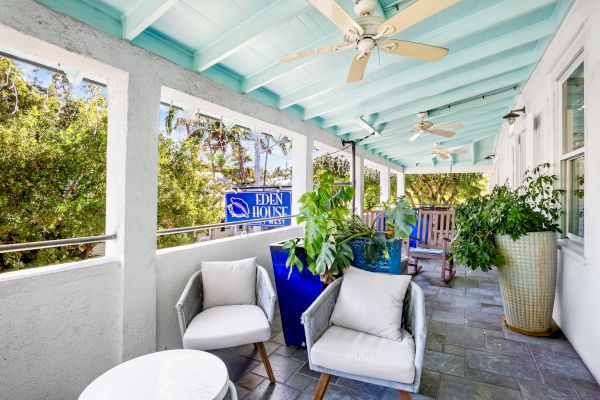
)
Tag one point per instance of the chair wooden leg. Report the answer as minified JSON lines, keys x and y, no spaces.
{"x":322,"y":387}
{"x":403,"y":395}
{"x":416,"y":266}
{"x":265,"y":359}
{"x":444,"y":269}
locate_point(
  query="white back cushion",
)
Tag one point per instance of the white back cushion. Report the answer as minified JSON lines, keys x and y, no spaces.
{"x":227,"y":283}
{"x":371,"y":302}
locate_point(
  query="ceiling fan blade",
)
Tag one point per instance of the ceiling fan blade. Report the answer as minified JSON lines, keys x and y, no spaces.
{"x":357,"y":68}
{"x":411,"y":15}
{"x":419,"y":51}
{"x":456,"y":152}
{"x":314,"y":52}
{"x":415,"y":136}
{"x":448,"y":126}
{"x":441,"y":155}
{"x":441,"y":132}
{"x":336,"y":14}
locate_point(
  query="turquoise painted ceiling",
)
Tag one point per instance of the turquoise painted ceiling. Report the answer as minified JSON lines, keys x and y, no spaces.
{"x":494,"y":46}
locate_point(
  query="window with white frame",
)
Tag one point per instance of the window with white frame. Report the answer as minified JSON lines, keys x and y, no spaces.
{"x":572,"y":113}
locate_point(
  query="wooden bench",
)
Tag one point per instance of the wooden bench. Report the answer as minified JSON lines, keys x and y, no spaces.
{"x":434,"y":233}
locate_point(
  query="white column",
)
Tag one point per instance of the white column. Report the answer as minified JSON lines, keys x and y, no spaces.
{"x":302,"y":168}
{"x":359,"y":184}
{"x":131,"y":204}
{"x":384,"y":184}
{"x":400,"y":184}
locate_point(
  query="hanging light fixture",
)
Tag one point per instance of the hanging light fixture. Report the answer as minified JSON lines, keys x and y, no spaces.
{"x":513,"y":115}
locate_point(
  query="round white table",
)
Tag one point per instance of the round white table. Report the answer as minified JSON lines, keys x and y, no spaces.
{"x":165,"y":375}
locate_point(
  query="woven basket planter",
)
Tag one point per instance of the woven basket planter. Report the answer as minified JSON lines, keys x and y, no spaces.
{"x":528,"y":281}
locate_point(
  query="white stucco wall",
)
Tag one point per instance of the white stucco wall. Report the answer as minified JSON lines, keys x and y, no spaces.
{"x":176,"y":265}
{"x":60,"y":327}
{"x":578,"y":296}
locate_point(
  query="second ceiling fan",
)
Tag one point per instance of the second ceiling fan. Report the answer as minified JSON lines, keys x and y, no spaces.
{"x":369,"y":31}
{"x":424,"y":126}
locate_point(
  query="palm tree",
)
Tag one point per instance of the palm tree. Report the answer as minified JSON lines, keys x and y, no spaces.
{"x":268,"y":143}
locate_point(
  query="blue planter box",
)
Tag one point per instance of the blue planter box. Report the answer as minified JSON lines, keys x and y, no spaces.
{"x":389,"y":265}
{"x":298,"y":290}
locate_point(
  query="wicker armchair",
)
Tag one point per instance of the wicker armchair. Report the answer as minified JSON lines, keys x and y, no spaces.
{"x":316,"y":321}
{"x":244,"y":326}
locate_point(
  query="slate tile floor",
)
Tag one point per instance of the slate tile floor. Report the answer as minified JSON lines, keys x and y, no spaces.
{"x":469,"y":355}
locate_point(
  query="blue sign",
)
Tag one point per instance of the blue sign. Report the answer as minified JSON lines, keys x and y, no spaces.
{"x":248,"y":206}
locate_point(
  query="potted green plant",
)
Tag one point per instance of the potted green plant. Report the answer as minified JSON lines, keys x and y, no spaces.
{"x":334,"y":238}
{"x":516,"y":231}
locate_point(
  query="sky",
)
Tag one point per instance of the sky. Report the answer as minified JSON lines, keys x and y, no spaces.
{"x":276,"y":158}
{"x":43,"y":77}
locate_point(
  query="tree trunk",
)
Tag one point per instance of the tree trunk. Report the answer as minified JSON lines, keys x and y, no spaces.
{"x":265,"y":171}
{"x":256,"y":159}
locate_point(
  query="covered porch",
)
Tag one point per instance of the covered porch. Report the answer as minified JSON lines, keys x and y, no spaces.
{"x":64,"y":325}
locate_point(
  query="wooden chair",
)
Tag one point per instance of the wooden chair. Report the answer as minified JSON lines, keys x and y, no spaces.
{"x":434,"y":233}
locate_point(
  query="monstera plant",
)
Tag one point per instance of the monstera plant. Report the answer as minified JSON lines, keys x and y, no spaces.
{"x":330,"y":226}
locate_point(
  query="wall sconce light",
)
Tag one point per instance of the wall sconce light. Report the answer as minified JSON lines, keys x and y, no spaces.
{"x":513,"y":115}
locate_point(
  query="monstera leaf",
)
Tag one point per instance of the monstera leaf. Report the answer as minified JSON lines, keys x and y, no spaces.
{"x":401,"y":219}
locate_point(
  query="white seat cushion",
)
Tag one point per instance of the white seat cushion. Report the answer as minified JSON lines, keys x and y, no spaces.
{"x":227,"y":326}
{"x":371,"y":302}
{"x":358,"y":353}
{"x":226,"y":283}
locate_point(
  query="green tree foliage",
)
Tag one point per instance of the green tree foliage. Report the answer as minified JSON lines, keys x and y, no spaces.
{"x":372,"y":198}
{"x":444,"y":190}
{"x":393,"y":187}
{"x":53,"y":166}
{"x":337,"y":166}
{"x":187,"y":192}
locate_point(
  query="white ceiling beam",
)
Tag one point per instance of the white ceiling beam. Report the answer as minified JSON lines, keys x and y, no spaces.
{"x":445,"y":169}
{"x":430,"y":139}
{"x":464,"y":117}
{"x":242,"y":34}
{"x":428,"y":88}
{"x":421,"y":150}
{"x":402,"y":139}
{"x":145,"y":14}
{"x":486,"y":86}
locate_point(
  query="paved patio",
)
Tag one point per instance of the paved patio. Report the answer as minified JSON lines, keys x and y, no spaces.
{"x":469,"y":355}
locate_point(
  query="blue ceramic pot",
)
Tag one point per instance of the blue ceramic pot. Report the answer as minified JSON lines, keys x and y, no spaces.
{"x":295,"y":293}
{"x":298,"y":290}
{"x":390,"y":265}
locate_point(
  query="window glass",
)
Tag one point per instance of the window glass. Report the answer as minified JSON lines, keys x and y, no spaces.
{"x":573,"y":111}
{"x":576,"y":196}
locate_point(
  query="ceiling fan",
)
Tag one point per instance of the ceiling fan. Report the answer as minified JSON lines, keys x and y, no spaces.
{"x":369,"y":31}
{"x":444,"y":154}
{"x":425,"y":126}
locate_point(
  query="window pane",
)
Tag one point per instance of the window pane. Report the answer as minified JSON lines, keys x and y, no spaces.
{"x":576,"y":196}
{"x":573,"y":111}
